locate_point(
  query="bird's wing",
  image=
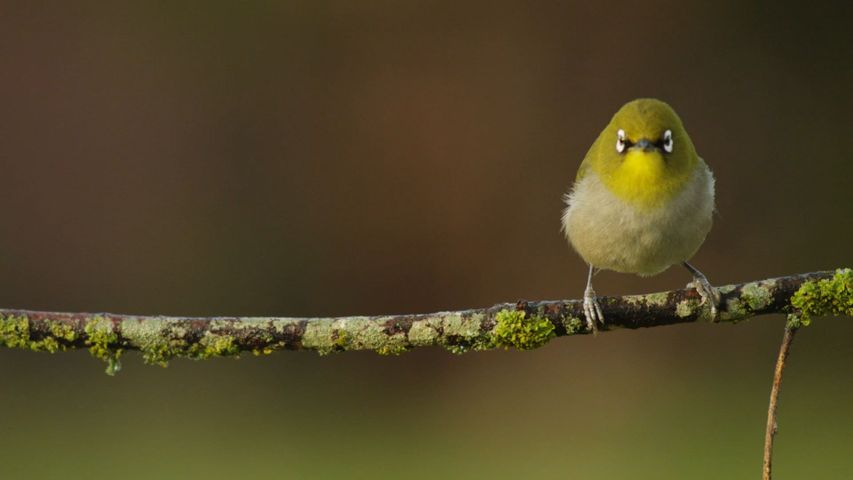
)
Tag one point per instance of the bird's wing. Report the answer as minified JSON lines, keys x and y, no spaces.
{"x":585,"y":166}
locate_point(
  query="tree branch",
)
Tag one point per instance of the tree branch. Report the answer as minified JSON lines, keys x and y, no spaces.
{"x":770,"y":432}
{"x":522,"y":325}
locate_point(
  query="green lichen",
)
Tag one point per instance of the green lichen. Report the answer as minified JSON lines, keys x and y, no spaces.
{"x":514,"y":329}
{"x":62,"y":331}
{"x":269,"y":345}
{"x":340,"y":340}
{"x":465,"y":326}
{"x":462,"y":332}
{"x":56,"y":340}
{"x":363,"y":333}
{"x":214,"y":345}
{"x":157,"y":342}
{"x":47,"y":344}
{"x":102,"y":339}
{"x":457,"y":332}
{"x":735,"y":310}
{"x":161,"y":349}
{"x":757,"y":295}
{"x":659,"y":298}
{"x":683,"y":309}
{"x":14,"y":331}
{"x":321,"y":336}
{"x":574,"y":325}
{"x":393,"y":348}
{"x":424,"y":332}
{"x":832,"y":296}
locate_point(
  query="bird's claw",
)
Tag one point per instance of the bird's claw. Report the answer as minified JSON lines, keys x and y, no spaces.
{"x":592,"y":311}
{"x":709,"y":293}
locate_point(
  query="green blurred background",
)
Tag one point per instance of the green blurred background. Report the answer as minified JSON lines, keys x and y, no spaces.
{"x":361,"y":157}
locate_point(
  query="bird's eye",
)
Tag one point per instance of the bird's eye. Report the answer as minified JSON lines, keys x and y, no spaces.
{"x":667,"y":141}
{"x":620,"y":141}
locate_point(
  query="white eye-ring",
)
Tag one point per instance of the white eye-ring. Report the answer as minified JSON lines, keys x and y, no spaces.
{"x":620,"y":140}
{"x":667,"y":141}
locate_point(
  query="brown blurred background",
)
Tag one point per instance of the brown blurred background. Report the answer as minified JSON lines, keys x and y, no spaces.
{"x":362,"y":157}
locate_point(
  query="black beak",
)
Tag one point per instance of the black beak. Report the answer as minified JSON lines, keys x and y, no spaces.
{"x":645,"y":145}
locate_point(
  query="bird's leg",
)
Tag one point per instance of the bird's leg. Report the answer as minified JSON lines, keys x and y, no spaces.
{"x":708,"y":292}
{"x":591,"y":308}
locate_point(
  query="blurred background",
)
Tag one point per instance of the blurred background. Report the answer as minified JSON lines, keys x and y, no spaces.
{"x":322,"y":158}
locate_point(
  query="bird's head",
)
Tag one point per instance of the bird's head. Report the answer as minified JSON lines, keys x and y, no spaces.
{"x":644,"y":155}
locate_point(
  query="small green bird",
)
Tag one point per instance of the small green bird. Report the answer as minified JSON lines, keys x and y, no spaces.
{"x":642,"y":201}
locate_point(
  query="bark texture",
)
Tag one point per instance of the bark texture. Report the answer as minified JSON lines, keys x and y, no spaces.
{"x":770,"y":431}
{"x":522,"y":325}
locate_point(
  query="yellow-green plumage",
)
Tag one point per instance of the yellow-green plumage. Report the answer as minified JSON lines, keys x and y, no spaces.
{"x":642,"y":200}
{"x":644,"y":209}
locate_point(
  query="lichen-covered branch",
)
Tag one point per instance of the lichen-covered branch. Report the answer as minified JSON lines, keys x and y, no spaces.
{"x":523,"y":325}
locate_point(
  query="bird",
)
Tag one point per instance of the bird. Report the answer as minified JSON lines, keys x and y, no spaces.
{"x":642,"y":201}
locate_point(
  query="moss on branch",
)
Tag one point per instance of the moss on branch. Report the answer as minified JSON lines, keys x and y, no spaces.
{"x":522,"y":325}
{"x":830,"y":296}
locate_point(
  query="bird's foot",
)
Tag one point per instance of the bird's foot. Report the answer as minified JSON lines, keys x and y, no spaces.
{"x":709,"y":293}
{"x":592,"y":311}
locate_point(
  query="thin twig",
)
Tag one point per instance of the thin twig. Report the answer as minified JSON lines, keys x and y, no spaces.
{"x":770,"y":433}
